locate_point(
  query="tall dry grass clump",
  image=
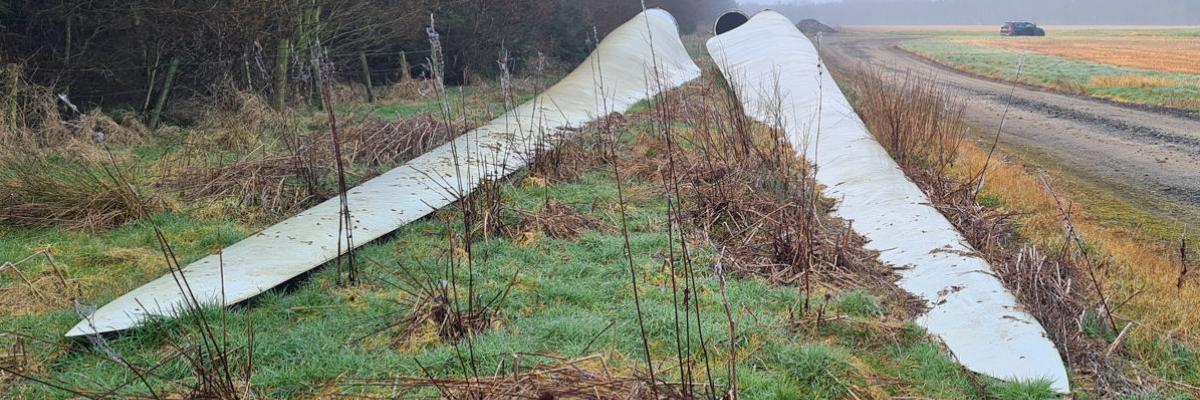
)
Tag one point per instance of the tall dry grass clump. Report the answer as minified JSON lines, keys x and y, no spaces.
{"x":35,"y":119}
{"x":54,"y":169}
{"x":44,"y":191}
{"x":30,"y":117}
{"x":916,"y":119}
{"x":377,"y":142}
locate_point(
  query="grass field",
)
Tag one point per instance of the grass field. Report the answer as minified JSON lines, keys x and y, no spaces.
{"x":1134,"y":50}
{"x":570,"y":300}
{"x":1150,"y":67}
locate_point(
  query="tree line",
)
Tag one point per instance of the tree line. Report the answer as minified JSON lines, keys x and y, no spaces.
{"x":139,"y":53}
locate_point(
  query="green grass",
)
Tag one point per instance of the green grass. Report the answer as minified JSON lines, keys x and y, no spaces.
{"x":567,"y":294}
{"x":1055,"y":72}
{"x":572,"y":298}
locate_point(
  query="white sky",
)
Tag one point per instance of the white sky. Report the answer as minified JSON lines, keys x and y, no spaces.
{"x":785,"y":1}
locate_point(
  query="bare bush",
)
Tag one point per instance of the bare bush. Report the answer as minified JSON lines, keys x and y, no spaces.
{"x":376,"y":142}
{"x":918,"y":120}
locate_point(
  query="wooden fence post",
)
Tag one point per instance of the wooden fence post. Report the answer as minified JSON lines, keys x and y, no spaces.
{"x":282,"y":54}
{"x":367,"y":76}
{"x":405,"y":70}
{"x":156,"y":116}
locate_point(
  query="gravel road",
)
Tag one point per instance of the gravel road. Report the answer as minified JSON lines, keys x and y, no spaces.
{"x":1146,"y":154}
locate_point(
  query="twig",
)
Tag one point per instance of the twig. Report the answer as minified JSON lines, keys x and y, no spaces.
{"x":1117,"y":342}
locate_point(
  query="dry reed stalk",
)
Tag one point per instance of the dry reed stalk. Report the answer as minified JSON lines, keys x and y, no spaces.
{"x":1183,"y":260}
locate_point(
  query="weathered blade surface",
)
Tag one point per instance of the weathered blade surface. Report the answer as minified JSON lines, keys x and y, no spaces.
{"x":634,"y":62}
{"x":774,"y":71}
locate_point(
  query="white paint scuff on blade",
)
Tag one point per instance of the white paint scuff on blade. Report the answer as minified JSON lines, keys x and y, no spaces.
{"x":619,"y":73}
{"x":774,"y":70}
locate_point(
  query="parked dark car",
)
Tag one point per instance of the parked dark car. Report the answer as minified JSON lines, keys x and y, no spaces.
{"x":1021,"y":29}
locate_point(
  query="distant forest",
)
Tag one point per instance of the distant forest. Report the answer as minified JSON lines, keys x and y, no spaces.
{"x":993,"y":12}
{"x":125,"y":51}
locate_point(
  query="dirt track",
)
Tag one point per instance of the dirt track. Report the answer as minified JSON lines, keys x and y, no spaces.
{"x":1146,"y":154}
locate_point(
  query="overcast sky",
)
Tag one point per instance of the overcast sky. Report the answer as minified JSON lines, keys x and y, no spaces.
{"x":786,"y":1}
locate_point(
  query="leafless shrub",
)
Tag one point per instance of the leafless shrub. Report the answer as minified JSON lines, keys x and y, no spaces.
{"x":745,"y":189}
{"x":918,"y":120}
{"x":482,"y":209}
{"x":574,"y":155}
{"x":431,"y":301}
{"x":376,"y":142}
{"x":270,"y":184}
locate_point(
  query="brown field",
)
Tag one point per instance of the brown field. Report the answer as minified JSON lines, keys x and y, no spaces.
{"x":996,"y":28}
{"x":1158,"y":53}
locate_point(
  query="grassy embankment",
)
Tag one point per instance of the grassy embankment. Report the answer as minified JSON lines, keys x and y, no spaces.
{"x":1147,"y":67}
{"x":1139,"y":252}
{"x":571,"y":296}
{"x":1134,"y":255}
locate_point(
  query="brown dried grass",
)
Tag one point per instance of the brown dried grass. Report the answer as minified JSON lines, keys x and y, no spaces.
{"x":561,"y":378}
{"x":745,"y":191}
{"x":32,"y":123}
{"x":1133,"y":81}
{"x":30,"y":117}
{"x":40,"y":191}
{"x":1171,"y":54}
{"x":271,"y":184}
{"x":556,"y":220}
{"x":574,"y":154}
{"x":269,"y":162}
{"x":38,"y":291}
{"x":376,"y":142}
